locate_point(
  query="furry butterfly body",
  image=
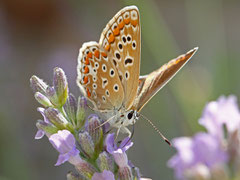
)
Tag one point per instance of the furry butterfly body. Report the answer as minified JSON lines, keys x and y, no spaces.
{"x":109,"y":71}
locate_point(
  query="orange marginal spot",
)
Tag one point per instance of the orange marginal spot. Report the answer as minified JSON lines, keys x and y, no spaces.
{"x":89,"y":55}
{"x":88,"y":92}
{"x":127,"y":20}
{"x":86,"y":61}
{"x":96,"y":53}
{"x":134,"y":22}
{"x":85,"y":79}
{"x":86,"y":70}
{"x":107,"y":47}
{"x":121,"y":25}
{"x":104,"y":54}
{"x":116,"y":31}
{"x":111,"y":38}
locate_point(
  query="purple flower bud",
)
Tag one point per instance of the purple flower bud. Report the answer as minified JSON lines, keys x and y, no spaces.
{"x":73,"y":176}
{"x":94,"y":130}
{"x":38,"y":85}
{"x":60,"y":85}
{"x":64,"y":142}
{"x":43,"y":100}
{"x":71,"y":108}
{"x":125,"y":173}
{"x":52,"y":95}
{"x":104,"y":161}
{"x":83,"y":102}
{"x":86,"y":143}
{"x":55,"y":117}
{"x":105,"y":175}
{"x":80,"y":116}
{"x":85,"y":169}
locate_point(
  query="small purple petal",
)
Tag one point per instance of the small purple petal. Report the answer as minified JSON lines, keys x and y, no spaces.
{"x":208,"y":150}
{"x":105,"y":175}
{"x":126,"y":144}
{"x":41,"y":110}
{"x":62,"y":158}
{"x":39,"y":135}
{"x":111,"y":146}
{"x":64,"y":143}
{"x":184,"y":147}
{"x":184,"y":157}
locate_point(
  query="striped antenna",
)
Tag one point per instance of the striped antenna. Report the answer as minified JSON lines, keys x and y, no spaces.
{"x":156,"y":129}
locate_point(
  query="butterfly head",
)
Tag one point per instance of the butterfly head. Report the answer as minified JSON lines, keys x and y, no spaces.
{"x":128,"y":117}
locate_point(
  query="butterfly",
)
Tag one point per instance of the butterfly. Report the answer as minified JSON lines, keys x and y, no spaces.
{"x":109,"y":71}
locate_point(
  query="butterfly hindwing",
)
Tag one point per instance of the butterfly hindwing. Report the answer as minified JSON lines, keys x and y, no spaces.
{"x":98,"y":79}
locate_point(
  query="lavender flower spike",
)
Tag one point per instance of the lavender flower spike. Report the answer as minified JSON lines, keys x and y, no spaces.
{"x":105,"y":175}
{"x":203,"y":149}
{"x":64,"y":143}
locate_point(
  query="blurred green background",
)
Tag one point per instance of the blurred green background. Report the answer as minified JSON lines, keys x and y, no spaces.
{"x":38,"y":35}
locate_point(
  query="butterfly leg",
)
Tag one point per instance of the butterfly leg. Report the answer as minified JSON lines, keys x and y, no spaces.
{"x":125,"y":130}
{"x":118,"y":130}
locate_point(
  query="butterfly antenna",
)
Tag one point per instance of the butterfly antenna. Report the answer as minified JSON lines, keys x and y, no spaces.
{"x":156,"y":129}
{"x":109,"y":119}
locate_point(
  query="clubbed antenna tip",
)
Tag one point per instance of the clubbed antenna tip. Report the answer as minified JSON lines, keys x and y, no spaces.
{"x":167,"y":141}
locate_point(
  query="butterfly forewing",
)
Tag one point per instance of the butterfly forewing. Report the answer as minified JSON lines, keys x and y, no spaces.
{"x":121,"y":40}
{"x":150,"y":84}
{"x":98,"y":79}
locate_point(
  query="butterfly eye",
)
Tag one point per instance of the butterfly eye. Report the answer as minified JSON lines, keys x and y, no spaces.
{"x":130,"y":115}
